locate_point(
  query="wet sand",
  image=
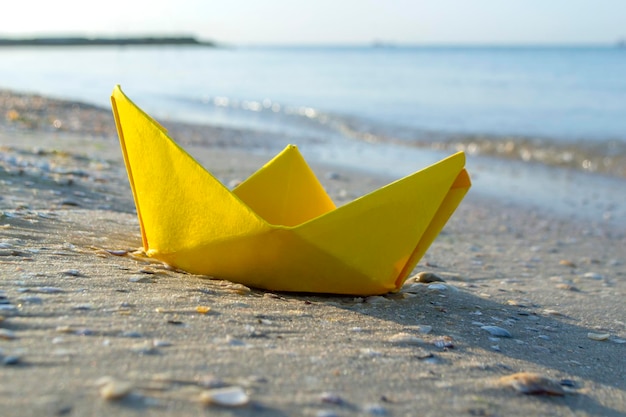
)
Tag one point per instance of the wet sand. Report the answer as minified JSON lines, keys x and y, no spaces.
{"x":78,"y":304}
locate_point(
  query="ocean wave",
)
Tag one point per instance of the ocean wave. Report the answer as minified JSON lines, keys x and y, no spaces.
{"x":598,"y":156}
{"x":594,"y":156}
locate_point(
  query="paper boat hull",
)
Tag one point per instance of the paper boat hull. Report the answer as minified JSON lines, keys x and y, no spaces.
{"x":279,"y":230}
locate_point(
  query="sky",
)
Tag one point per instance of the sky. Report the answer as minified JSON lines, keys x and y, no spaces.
{"x":250,"y":22}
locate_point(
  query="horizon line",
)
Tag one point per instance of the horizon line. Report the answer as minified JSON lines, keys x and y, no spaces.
{"x":185,"y":39}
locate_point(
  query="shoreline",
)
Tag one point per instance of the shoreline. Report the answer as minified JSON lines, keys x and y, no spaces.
{"x":79,"y":305}
{"x":595,"y":156}
{"x":593,"y":198}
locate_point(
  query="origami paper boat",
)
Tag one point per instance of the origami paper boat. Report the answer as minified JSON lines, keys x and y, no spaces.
{"x":279,"y":230}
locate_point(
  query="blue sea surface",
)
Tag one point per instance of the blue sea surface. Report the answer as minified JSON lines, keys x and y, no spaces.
{"x":562,"y":93}
{"x":385,"y":108}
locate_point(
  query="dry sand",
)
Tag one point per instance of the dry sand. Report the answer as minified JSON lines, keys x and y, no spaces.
{"x":75,"y":307}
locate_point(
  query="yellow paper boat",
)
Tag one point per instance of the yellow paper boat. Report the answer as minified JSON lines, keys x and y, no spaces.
{"x":279,"y":230}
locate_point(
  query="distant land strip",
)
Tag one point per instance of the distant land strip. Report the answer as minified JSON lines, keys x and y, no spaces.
{"x":85,"y":41}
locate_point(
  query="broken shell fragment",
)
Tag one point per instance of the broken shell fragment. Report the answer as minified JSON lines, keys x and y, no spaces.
{"x":225,"y":397}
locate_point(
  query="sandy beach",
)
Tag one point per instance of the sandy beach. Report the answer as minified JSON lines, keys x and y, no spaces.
{"x":90,"y":327}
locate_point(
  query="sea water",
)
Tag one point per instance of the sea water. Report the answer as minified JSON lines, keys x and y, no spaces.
{"x":517,"y":111}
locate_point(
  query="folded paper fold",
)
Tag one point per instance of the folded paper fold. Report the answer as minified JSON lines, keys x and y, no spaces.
{"x":279,"y":230}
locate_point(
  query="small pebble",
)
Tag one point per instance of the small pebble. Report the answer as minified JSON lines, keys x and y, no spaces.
{"x":225,"y":397}
{"x":131,"y":334}
{"x":64,"y":329}
{"x":568,"y":383}
{"x":84,"y":332}
{"x":161,"y":343}
{"x":112,"y":389}
{"x":438,"y":287}
{"x":48,"y":290}
{"x":203,"y":309}
{"x":211,"y":382}
{"x":331,"y":398}
{"x":593,"y":275}
{"x":550,"y":312}
{"x":10,"y":360}
{"x":532,"y":384}
{"x":31,"y":299}
{"x":426,"y":278}
{"x":567,"y":287}
{"x":271,"y":295}
{"x":369,"y":352}
{"x":141,"y":279}
{"x":517,"y":303}
{"x":497,"y":331}
{"x":72,"y":273}
{"x":146,"y":348}
{"x":7,"y":334}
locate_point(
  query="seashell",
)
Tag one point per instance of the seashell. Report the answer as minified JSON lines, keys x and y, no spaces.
{"x":444,"y":342}
{"x":532,"y":384}
{"x":225,"y":397}
{"x":598,"y":336}
{"x":116,"y":252}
